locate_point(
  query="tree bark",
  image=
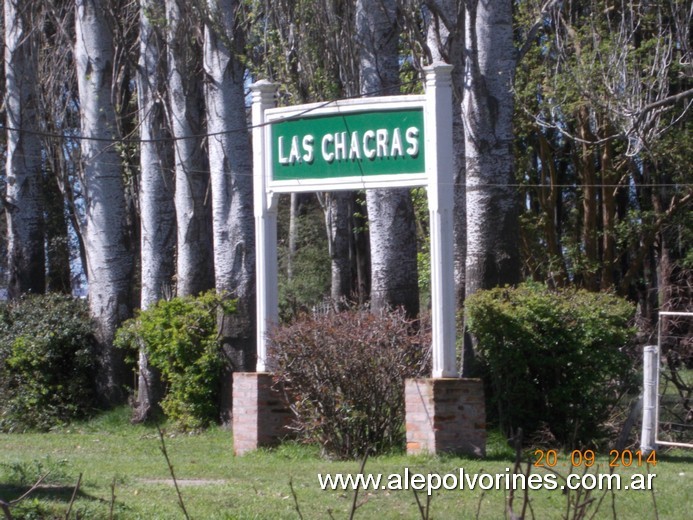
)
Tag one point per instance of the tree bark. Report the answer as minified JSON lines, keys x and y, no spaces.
{"x":492,"y":202}
{"x":195,"y":270}
{"x":493,"y":257}
{"x":394,"y":272}
{"x":230,"y":162}
{"x":338,"y":215}
{"x":109,"y":255}
{"x":24,"y":201}
{"x":445,"y":39}
{"x":157,"y":210}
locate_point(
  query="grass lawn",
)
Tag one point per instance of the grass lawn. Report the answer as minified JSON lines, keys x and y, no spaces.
{"x":120,"y":460}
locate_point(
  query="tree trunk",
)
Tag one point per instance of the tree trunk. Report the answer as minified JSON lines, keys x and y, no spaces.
{"x":109,"y":255}
{"x":549,"y":200}
{"x":394,"y":273}
{"x":193,"y":210}
{"x":361,"y":250}
{"x":445,"y":39}
{"x":610,"y":180}
{"x":588,"y":176}
{"x":493,"y":257}
{"x":230,"y":162}
{"x":158,"y":219}
{"x":338,"y":216}
{"x":492,"y":205}
{"x":57,"y":239}
{"x":157,"y":211}
{"x":25,"y":221}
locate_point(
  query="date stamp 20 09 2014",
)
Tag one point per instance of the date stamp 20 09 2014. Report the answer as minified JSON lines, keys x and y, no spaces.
{"x":587,"y":458}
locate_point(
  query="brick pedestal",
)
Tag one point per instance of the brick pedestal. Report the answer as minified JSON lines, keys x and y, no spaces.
{"x":260,"y":414}
{"x":445,"y":416}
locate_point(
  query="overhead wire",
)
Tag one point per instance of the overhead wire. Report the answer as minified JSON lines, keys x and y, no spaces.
{"x":125,"y":140}
{"x":313,"y":107}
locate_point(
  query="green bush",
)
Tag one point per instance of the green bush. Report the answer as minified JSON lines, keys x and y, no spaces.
{"x":181,"y":341}
{"x":552,"y":359}
{"x":345,"y":374}
{"x":46,"y":362}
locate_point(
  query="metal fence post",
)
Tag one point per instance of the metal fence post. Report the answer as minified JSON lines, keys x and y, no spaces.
{"x":649,"y":408}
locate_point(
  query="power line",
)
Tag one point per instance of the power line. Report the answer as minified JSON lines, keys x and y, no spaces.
{"x":469,"y":187}
{"x":314,"y":107}
{"x":244,"y":129}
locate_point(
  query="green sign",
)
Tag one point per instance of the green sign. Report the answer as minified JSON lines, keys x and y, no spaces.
{"x":380,"y":142}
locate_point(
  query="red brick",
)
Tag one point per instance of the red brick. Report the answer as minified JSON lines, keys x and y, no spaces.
{"x":260,"y":413}
{"x":453,"y":413}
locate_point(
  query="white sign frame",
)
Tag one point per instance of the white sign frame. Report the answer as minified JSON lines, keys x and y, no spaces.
{"x":343,"y":107}
{"x":438,"y":178}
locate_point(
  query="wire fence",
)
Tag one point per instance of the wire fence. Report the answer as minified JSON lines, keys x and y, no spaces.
{"x":668,"y":384}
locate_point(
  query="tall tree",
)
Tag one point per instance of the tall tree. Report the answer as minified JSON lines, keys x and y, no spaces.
{"x":195,"y":270}
{"x":109,"y":255}
{"x":394,"y":279}
{"x":24,"y":201}
{"x":230,"y":163}
{"x":156,"y":186}
{"x":493,"y":257}
{"x":492,"y":200}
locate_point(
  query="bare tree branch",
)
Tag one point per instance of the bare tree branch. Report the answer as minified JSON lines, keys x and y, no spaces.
{"x":532,"y":33}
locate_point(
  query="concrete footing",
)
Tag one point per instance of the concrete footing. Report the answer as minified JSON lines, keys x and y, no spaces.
{"x":445,"y":416}
{"x":260,"y":413}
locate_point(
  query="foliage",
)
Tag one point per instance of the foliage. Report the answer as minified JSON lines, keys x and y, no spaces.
{"x":552,"y":359}
{"x":309,"y":283}
{"x":46,"y":362}
{"x":602,"y":144}
{"x":306,"y":47}
{"x":345,"y":374}
{"x":423,"y":237}
{"x":180,"y":338}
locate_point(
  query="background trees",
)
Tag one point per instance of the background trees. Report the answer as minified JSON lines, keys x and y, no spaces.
{"x":133,"y":131}
{"x":603,"y":111}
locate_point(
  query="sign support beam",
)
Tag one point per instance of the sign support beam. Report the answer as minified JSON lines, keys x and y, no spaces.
{"x":265,"y":209}
{"x":439,"y":170}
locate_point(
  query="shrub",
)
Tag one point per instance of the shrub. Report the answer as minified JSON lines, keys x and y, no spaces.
{"x":46,"y":362}
{"x":552,"y":359}
{"x":345,"y":374}
{"x":181,"y":341}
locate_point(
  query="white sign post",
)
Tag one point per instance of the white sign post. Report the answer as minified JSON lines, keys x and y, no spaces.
{"x":383,"y":142}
